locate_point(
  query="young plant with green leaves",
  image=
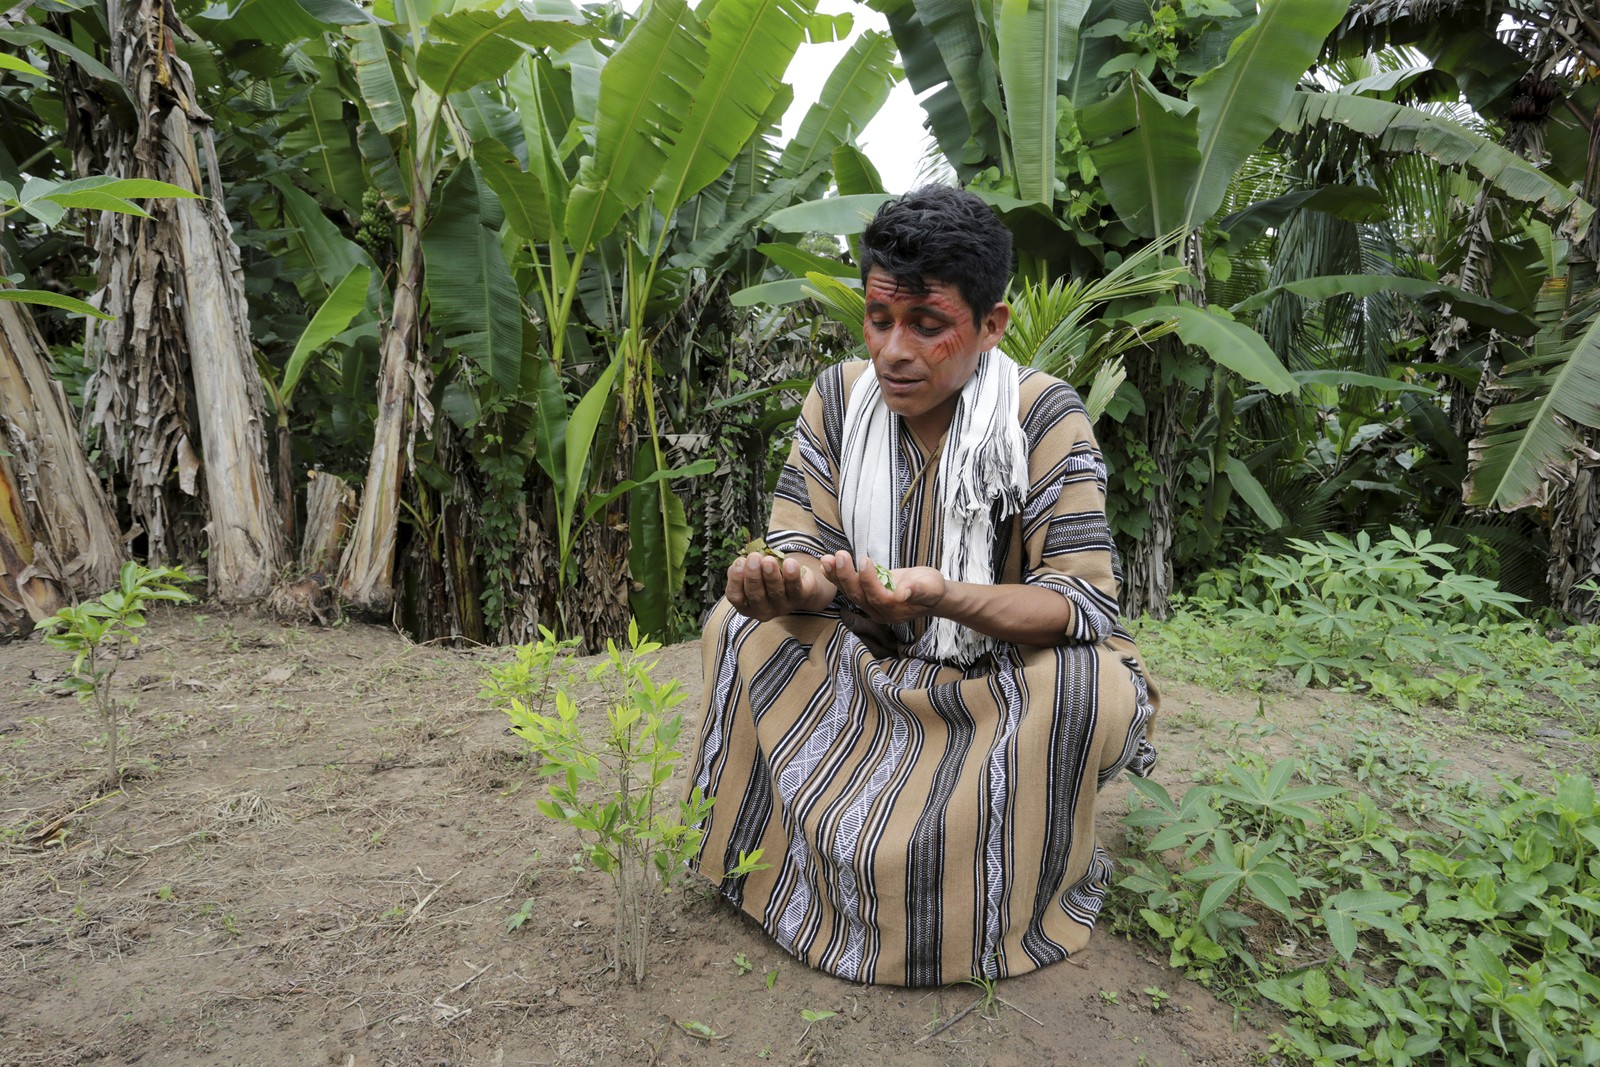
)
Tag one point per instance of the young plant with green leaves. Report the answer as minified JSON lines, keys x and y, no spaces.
{"x":97,"y":632}
{"x":613,"y":783}
{"x":1397,"y":918}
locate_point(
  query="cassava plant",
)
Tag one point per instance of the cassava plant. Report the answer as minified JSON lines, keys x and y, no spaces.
{"x":612,"y":785}
{"x":97,"y":631}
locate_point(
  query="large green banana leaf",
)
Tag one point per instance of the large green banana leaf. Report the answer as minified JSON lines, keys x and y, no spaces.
{"x":271,"y":21}
{"x":319,"y":134}
{"x":369,"y":55}
{"x":1401,"y":129}
{"x":1469,"y":306}
{"x":521,"y":196}
{"x":383,"y":165}
{"x":348,"y":299}
{"x":48,"y":298}
{"x":472,"y":297}
{"x":959,"y":30}
{"x":1038,"y":41}
{"x":1241,"y":102}
{"x":854,"y":173}
{"x":532,"y":87}
{"x":1355,"y":203}
{"x":1523,"y":441}
{"x":550,"y":427}
{"x":1232,"y":344}
{"x":1253,"y":492}
{"x":83,"y":58}
{"x":925,"y":70}
{"x":469,"y":47}
{"x":314,"y":242}
{"x":843,"y":215}
{"x":578,"y":434}
{"x":646,"y":89}
{"x":485,"y":115}
{"x":739,"y":225}
{"x":1145,"y":145}
{"x":750,"y":44}
{"x":755,"y":169}
{"x":800,"y":262}
{"x":853,"y":93}
{"x":658,"y":544}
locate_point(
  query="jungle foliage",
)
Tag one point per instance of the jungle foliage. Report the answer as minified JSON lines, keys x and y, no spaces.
{"x":525,"y":276}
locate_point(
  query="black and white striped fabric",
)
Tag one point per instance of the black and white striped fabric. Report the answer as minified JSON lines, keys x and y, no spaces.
{"x":923,"y":822}
{"x":981,"y":480}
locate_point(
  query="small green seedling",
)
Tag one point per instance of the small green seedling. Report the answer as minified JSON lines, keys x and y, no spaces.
{"x":699,"y":1030}
{"x":987,"y":995}
{"x":812,"y":1016}
{"x":1108,"y":995}
{"x":1158,"y":997}
{"x":97,"y":631}
{"x":742,"y":962}
{"x":517,"y":918}
{"x":611,"y":781}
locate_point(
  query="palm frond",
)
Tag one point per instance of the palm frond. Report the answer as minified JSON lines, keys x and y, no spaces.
{"x":1055,"y":327}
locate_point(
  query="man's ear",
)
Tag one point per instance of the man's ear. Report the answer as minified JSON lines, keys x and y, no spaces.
{"x":994,"y":324}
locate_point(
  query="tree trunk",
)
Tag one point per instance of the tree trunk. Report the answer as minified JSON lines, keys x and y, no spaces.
{"x":58,"y":538}
{"x":177,"y":364}
{"x":366,"y":576}
{"x":330,"y":507}
{"x":28,"y":592}
{"x":1575,"y":536}
{"x":1147,"y":562}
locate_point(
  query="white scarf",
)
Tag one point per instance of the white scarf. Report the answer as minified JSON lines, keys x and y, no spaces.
{"x":985,"y":460}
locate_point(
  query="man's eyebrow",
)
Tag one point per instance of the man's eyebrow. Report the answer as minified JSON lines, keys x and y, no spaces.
{"x":922,"y":309}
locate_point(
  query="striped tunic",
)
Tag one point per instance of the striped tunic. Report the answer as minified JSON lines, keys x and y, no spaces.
{"x":922,"y":823}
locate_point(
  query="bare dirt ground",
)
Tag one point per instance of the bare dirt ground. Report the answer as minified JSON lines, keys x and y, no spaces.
{"x":326,"y":831}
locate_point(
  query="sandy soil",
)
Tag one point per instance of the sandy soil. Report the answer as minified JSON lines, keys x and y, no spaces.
{"x":326,"y":831}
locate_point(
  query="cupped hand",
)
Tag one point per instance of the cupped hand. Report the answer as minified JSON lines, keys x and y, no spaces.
{"x":764,"y":588}
{"x":913,"y":593}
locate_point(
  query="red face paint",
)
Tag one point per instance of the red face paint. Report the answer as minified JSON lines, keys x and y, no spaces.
{"x":924,"y":346}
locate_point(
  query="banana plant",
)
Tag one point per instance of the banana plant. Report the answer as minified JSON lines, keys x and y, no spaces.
{"x":1158,"y":122}
{"x":443,"y":52}
{"x":675,"y":115}
{"x":1556,"y":391}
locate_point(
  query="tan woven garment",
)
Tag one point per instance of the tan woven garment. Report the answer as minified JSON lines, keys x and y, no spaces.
{"x":923,"y":824}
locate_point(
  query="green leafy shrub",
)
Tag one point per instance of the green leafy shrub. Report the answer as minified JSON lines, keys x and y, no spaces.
{"x":1400,"y":577}
{"x":1391,"y":618}
{"x":1402,"y":922}
{"x":97,"y":631}
{"x":613,"y":785}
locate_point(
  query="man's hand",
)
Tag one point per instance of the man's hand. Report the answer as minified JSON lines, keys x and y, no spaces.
{"x":764,"y":588}
{"x":916,"y":592}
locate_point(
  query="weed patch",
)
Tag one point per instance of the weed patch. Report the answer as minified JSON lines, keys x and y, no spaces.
{"x":1396,"y":919}
{"x":1390,"y":619}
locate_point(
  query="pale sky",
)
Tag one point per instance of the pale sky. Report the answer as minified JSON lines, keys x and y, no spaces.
{"x":895,"y":140}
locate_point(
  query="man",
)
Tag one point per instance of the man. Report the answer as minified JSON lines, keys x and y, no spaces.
{"x":911,"y":711}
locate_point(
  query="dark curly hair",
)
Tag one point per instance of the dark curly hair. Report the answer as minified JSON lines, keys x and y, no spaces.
{"x":945,"y":234}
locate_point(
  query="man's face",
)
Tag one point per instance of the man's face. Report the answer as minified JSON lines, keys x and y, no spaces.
{"x":924,"y":346}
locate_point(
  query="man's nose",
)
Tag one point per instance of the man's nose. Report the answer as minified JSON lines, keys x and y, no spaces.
{"x":897,"y":346}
